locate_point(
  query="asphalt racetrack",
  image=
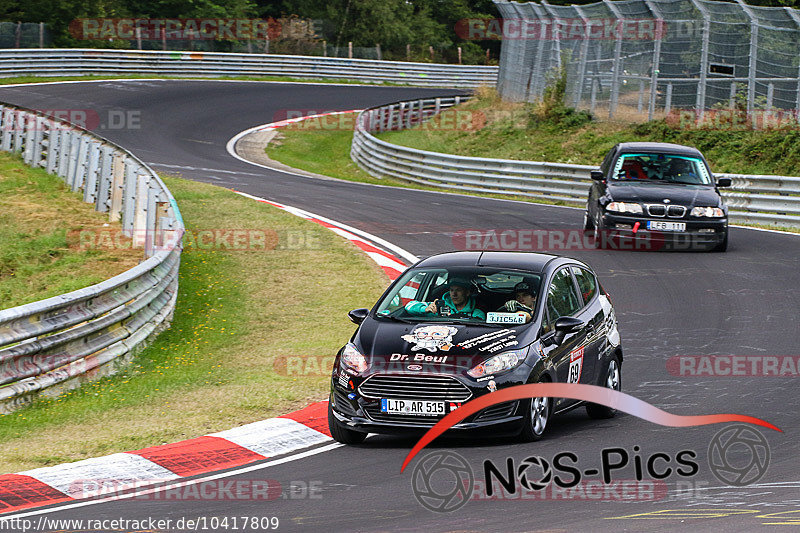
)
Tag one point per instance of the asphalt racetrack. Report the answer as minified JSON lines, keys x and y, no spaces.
{"x":740,"y":303}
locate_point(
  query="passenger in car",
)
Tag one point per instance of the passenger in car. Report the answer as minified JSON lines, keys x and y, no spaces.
{"x":458,"y":301}
{"x":524,"y":301}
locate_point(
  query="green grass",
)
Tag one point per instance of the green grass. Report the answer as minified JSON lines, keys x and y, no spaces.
{"x":218,"y":366}
{"x":42,"y":223}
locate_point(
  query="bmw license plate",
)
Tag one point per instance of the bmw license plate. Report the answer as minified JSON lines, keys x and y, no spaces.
{"x":663,"y":225}
{"x":412,"y":407}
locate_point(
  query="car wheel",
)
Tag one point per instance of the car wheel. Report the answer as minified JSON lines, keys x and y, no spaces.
{"x":537,"y":416}
{"x":723,"y":246}
{"x":613,"y":380}
{"x":598,"y":234}
{"x":588,"y":224}
{"x":341,"y":433}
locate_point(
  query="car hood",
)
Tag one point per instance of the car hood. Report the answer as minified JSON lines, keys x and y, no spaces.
{"x":435,"y":344}
{"x":654,"y":192}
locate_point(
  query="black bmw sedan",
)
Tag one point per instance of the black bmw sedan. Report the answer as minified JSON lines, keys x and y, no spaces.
{"x":460,"y":325}
{"x":659,"y":194}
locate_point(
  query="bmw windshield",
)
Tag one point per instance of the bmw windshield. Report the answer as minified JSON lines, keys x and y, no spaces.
{"x":662,"y":168}
{"x":465,"y":295}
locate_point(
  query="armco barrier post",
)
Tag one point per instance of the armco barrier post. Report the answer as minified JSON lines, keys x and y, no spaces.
{"x":105,"y":179}
{"x":30,"y":139}
{"x":53,"y":138}
{"x":128,"y":197}
{"x":140,"y":227}
{"x":72,"y":165}
{"x":8,"y":129}
{"x":117,"y":181}
{"x":19,"y":130}
{"x":80,"y":169}
{"x":63,"y":153}
{"x":93,"y":165}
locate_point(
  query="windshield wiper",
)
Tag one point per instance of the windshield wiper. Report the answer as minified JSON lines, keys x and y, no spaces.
{"x":394,"y":319}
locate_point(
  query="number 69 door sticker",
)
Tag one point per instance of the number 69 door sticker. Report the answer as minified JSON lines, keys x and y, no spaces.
{"x":575,"y":365}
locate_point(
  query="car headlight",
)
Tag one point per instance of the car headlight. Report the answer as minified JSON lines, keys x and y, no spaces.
{"x":707,"y":212}
{"x":625,"y":207}
{"x":353,"y":359}
{"x":498,"y":363}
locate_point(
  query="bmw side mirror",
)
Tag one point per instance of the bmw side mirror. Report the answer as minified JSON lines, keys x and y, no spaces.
{"x":564,"y":325}
{"x":597,"y":175}
{"x":357,"y":316}
{"x":723,"y":182}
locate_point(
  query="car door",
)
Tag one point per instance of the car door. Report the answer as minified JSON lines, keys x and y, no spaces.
{"x":568,"y":356}
{"x":594,"y":317}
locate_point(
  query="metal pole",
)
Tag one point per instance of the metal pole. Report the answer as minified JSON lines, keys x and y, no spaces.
{"x":41,"y":35}
{"x":796,"y":18}
{"x":751,"y":61}
{"x":576,"y":99}
{"x":701,"y":89}
{"x":660,"y":25}
{"x":612,"y":108}
{"x":668,"y":105}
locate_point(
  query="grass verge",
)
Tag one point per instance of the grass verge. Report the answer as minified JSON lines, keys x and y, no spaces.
{"x":219,"y":365}
{"x":44,"y":79}
{"x":46,"y":237}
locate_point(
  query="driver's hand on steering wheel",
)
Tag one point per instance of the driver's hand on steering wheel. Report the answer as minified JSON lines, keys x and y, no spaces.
{"x":432,"y":308}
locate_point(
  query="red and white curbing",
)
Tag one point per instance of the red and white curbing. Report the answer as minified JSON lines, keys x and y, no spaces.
{"x":217,"y":451}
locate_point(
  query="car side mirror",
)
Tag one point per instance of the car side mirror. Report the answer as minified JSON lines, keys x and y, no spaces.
{"x":597,"y":175}
{"x":724,"y":182}
{"x":357,"y":316}
{"x":564,"y":325}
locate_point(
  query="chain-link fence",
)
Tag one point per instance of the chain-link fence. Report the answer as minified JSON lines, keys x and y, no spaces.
{"x":24,"y":35}
{"x":652,"y":56}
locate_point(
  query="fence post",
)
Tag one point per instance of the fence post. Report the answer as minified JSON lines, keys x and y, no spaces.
{"x":732,"y":103}
{"x":752,"y":60}
{"x":576,"y":99}
{"x":41,"y":35}
{"x":701,"y":89}
{"x":612,"y":107}
{"x":668,"y":104}
{"x":796,"y":18}
{"x":660,"y":29}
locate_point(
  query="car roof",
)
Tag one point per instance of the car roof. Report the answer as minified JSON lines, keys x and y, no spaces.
{"x":649,"y":147}
{"x":533,"y":262}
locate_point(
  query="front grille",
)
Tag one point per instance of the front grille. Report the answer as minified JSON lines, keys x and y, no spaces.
{"x":676,"y":211}
{"x":496,"y":412}
{"x":656,"y":210}
{"x":415,"y":387}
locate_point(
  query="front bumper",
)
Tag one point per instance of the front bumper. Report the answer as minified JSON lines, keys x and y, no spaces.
{"x":700,"y":234}
{"x":359,"y":413}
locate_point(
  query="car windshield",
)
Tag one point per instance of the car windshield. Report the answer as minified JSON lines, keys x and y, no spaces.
{"x":476,"y":295}
{"x":661,"y":168}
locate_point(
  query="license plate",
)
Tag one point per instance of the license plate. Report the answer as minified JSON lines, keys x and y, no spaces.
{"x":412,"y":407}
{"x":663,"y":225}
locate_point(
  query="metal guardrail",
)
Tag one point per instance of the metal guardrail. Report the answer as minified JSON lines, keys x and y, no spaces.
{"x":54,"y":344}
{"x":773,"y":200}
{"x":81,"y":62}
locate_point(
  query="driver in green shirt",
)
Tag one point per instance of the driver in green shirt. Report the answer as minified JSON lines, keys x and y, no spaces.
{"x":457,"y":301}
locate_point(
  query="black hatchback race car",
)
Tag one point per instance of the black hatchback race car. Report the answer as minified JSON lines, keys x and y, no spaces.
{"x":459,"y":325}
{"x":660,"y":195}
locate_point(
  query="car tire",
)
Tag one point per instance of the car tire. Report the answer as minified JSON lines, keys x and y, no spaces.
{"x":588,"y":224}
{"x":341,"y":433}
{"x":612,"y":379}
{"x":537,"y":415}
{"x":598,"y":234}
{"x":723,"y":246}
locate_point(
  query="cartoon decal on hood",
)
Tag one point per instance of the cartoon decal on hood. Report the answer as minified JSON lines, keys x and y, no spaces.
{"x":431,"y":338}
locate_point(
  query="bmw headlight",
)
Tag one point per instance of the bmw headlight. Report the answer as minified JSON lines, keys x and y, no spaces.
{"x":625,"y":207}
{"x":353,"y":359}
{"x":714,"y":212}
{"x":498,"y":363}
